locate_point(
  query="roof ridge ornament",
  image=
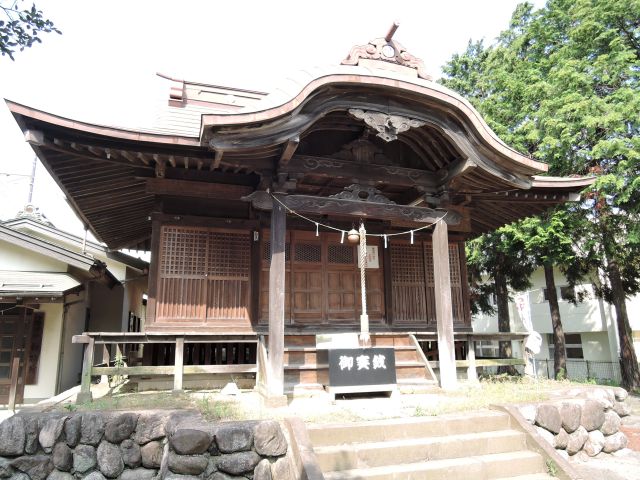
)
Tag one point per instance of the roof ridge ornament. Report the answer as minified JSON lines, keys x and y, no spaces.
{"x":386,"y":49}
{"x":388,"y":126}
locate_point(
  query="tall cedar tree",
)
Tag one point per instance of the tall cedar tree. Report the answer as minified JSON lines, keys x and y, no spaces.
{"x":562,"y":84}
{"x":502,"y":256}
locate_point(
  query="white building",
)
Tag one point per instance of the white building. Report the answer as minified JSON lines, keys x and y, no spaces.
{"x":590,"y":328}
{"x":54,"y":285}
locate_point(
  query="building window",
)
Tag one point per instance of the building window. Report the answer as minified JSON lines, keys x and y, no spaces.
{"x":567,"y":293}
{"x":572,"y":344}
{"x":487,"y":349}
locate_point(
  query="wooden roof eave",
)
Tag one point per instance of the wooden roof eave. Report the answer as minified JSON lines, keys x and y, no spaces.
{"x":427,"y":89}
{"x":22,"y":112}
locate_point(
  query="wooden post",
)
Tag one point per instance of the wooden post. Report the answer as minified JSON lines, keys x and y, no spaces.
{"x":178,"y":367}
{"x":276,"y":300}
{"x":13,"y":388}
{"x":472,"y":373}
{"x":87,"y":363}
{"x":106,"y":360}
{"x":444,"y":316}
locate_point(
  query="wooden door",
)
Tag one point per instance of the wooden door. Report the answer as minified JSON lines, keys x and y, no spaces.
{"x":307,"y":279}
{"x":20,"y":337}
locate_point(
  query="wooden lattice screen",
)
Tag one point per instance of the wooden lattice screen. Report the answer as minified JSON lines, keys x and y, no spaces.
{"x":413,"y":285}
{"x":203,"y":275}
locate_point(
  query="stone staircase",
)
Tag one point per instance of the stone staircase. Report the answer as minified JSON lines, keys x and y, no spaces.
{"x":480,"y":445}
{"x":306,"y":368}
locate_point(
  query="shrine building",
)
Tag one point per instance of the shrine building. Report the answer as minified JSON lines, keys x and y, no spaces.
{"x":247,"y":200}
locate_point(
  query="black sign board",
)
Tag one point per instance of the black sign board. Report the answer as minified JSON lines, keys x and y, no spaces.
{"x":361,"y":366}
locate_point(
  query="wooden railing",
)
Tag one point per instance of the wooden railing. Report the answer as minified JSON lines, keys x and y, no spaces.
{"x":470,"y":339}
{"x":178,"y":369}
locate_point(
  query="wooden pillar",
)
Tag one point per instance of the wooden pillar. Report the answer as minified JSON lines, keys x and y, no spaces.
{"x":106,"y":360}
{"x":276,"y":300}
{"x":178,"y":364}
{"x":87,"y":364}
{"x":444,"y":315}
{"x":472,"y":373}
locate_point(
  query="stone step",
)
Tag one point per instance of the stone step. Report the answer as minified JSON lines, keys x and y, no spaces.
{"x":532,"y":476}
{"x":396,"y":429}
{"x":483,"y":467}
{"x":391,"y":452}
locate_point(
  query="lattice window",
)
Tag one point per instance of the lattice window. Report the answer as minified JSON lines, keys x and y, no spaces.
{"x":308,"y":253}
{"x":341,"y":254}
{"x":428,"y":258}
{"x":454,"y":265}
{"x":184,"y":251}
{"x":266,"y":251}
{"x":229,"y":255}
{"x":407,"y":263}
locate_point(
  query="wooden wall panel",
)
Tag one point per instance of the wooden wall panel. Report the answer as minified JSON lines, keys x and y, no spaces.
{"x":203,"y":276}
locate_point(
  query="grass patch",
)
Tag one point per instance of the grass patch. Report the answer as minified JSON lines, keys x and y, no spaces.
{"x":493,"y":390}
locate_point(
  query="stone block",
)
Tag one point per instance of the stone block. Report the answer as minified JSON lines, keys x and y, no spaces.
{"x":38,"y":467}
{"x":151,"y":454}
{"x":6,"y":470}
{"x":62,"y":457}
{"x":611,"y":423}
{"x":570,"y":413}
{"x":110,"y":460}
{"x":50,"y":432}
{"x":188,"y":441}
{"x":577,"y":440}
{"x":268,"y":439}
{"x":13,"y":436}
{"x":592,"y":416}
{"x":622,"y":409}
{"x":84,"y":458}
{"x":614,"y":442}
{"x":263,"y":470}
{"x":31,"y":430}
{"x":58,"y":475}
{"x":595,"y":442}
{"x":131,"y":454}
{"x":92,"y":428}
{"x":138,"y":474}
{"x":239,"y":463}
{"x":562,"y":439}
{"x":150,"y":427}
{"x":548,"y":417}
{"x":120,"y":427}
{"x":72,"y":430}
{"x":234,"y":437}
{"x":187,"y":464}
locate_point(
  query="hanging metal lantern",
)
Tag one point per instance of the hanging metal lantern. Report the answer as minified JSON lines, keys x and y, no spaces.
{"x":353,"y":236}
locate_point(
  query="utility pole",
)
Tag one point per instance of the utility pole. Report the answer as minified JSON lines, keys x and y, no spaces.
{"x":32,"y":179}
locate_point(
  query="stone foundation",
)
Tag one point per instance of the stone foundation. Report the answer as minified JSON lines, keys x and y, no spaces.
{"x":581,"y":420}
{"x":176,"y":445}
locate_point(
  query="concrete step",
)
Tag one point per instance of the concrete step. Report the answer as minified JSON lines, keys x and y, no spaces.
{"x":408,"y":428}
{"x":483,"y":467}
{"x":367,"y":455}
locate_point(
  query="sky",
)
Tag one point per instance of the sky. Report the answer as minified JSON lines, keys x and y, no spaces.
{"x":102,"y":69}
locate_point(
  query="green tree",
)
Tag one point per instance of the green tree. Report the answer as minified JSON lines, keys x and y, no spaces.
{"x":20,"y":28}
{"x":562,"y":84}
{"x":549,"y":242}
{"x":501,"y":256}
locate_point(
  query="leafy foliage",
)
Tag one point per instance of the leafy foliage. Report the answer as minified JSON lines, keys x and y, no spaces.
{"x":20,"y":28}
{"x":562,"y":84}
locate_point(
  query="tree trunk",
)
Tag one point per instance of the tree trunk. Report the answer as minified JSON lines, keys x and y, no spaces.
{"x":502,"y":297}
{"x":628,"y":359}
{"x":559,"y":354}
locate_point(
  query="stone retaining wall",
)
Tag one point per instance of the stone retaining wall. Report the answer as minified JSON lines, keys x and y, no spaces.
{"x":582,"y":420}
{"x":174,"y":445}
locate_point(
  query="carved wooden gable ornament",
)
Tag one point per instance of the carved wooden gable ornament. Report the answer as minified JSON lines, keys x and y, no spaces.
{"x":386,"y":49}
